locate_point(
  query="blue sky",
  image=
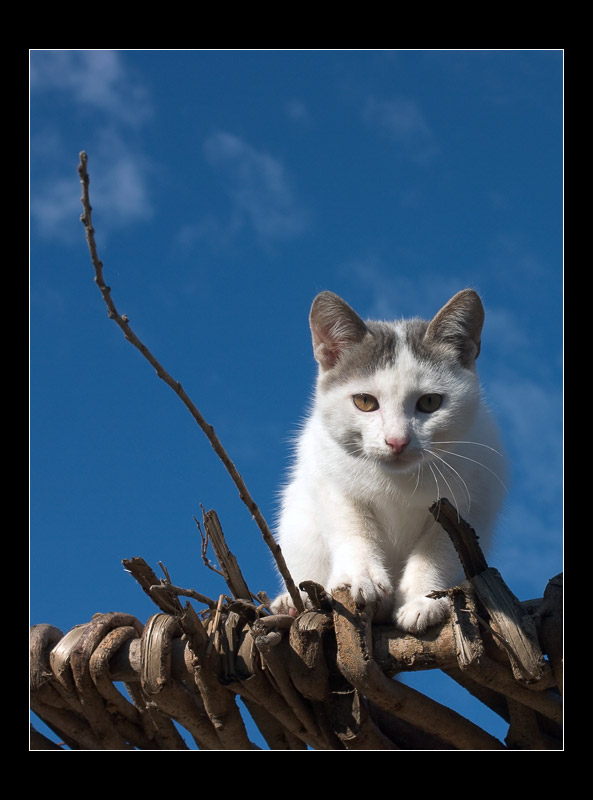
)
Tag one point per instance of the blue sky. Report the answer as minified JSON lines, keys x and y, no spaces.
{"x":229,"y":187}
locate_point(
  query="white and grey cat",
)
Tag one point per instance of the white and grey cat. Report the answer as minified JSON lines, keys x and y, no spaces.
{"x":398,"y":421}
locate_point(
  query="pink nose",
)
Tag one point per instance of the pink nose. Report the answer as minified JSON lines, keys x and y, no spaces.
{"x":398,"y":443}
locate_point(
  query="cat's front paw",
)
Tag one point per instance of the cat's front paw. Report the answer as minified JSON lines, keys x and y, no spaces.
{"x":421,"y":613}
{"x":368,"y":587}
{"x":283,"y":604}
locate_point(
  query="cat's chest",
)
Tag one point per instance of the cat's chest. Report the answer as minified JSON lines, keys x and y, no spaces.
{"x":399,"y":523}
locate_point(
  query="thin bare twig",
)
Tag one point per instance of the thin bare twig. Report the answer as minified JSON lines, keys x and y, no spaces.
{"x":178,"y":591}
{"x":214,"y":625}
{"x":123,"y":323}
{"x":204,"y":549}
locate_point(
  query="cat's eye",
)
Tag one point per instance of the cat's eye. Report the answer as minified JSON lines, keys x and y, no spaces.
{"x":429,"y":403}
{"x":365,"y":402}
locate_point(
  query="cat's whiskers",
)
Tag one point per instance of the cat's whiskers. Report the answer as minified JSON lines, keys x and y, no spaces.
{"x":438,"y":500}
{"x":418,"y":473}
{"x":477,"y":444}
{"x":457,"y":474}
{"x":473,"y":460}
{"x":447,"y":484}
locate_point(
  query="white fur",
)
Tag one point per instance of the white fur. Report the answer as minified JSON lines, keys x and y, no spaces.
{"x":364,"y":521}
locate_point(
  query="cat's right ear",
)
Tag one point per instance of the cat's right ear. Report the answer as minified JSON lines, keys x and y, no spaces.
{"x":459,"y":325}
{"x":334,"y":328}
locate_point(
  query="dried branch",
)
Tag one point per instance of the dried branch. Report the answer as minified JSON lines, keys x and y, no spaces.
{"x":508,"y":620}
{"x":41,"y":742}
{"x":321,"y":680}
{"x":462,"y":535}
{"x":208,"y":430}
{"x":204,"y":549}
{"x":228,"y":562}
{"x":274,"y":649}
{"x":353,"y":633}
{"x":160,"y":686}
{"x":163,"y":593}
{"x":549,"y":623}
{"x":219,"y":703}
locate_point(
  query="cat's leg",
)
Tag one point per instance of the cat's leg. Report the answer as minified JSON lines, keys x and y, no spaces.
{"x":358,"y":562}
{"x":335,"y":543}
{"x":304,"y":549}
{"x":344,"y":551}
{"x":432,"y":565}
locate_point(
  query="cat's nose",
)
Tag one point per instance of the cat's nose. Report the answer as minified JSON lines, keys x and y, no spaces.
{"x":398,"y":443}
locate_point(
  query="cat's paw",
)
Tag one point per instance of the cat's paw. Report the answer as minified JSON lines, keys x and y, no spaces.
{"x":283,"y":604}
{"x":421,"y":613}
{"x":366,"y":587}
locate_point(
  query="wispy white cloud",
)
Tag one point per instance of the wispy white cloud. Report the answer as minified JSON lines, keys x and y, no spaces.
{"x":95,"y":79}
{"x":259,"y":188}
{"x":119,"y":190}
{"x":298,"y":111}
{"x":402,"y":121}
{"x":55,"y":208}
{"x":97,"y":85}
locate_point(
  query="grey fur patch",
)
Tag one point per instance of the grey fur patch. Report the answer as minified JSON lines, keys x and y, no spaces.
{"x":377,"y":349}
{"x":452,"y":338}
{"x":426,"y":349}
{"x":351,"y":441}
{"x":380,"y":348}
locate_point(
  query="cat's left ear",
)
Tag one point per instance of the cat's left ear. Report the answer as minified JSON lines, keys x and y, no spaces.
{"x":334,"y":327}
{"x":459,"y":325}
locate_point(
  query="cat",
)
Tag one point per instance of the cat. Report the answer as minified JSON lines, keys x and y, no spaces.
{"x":397,"y":421}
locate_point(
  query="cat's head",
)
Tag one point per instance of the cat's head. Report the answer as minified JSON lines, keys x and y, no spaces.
{"x":388,"y":390}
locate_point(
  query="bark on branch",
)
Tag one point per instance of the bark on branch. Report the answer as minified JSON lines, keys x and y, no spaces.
{"x":509,"y":623}
{"x":322,"y":680}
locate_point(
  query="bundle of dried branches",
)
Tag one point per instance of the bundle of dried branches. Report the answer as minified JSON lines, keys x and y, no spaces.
{"x":323,"y":680}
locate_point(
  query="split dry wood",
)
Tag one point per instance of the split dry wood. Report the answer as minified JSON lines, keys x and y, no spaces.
{"x":322,"y":680}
